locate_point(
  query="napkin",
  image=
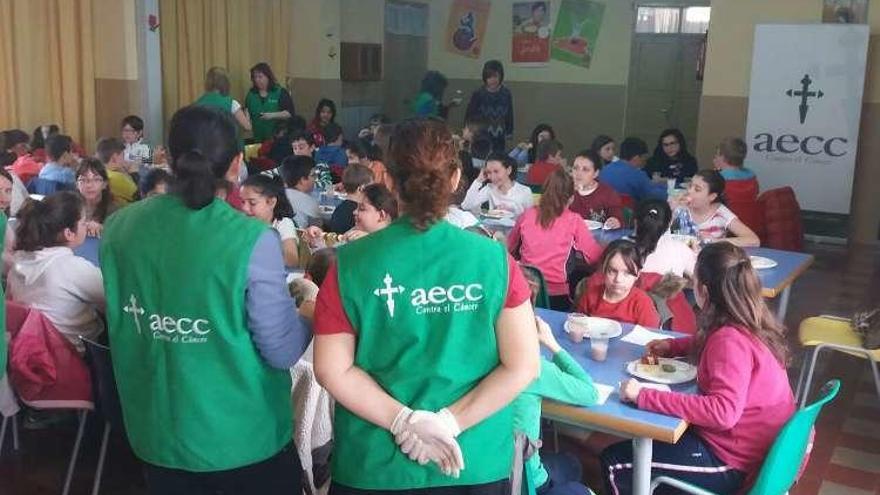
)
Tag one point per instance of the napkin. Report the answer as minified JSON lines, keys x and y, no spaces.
{"x":604,"y":392}
{"x":641,"y":336}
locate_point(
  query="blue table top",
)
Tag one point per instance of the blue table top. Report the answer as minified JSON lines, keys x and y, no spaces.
{"x":790,"y":266}
{"x":613,"y":416}
{"x":89,"y":250}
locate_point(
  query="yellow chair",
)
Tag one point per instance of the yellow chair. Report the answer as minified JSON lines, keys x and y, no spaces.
{"x":251,"y":151}
{"x":830,"y":332}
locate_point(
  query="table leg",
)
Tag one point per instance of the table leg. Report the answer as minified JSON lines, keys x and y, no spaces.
{"x":783,"y":304}
{"x":642,"y":453}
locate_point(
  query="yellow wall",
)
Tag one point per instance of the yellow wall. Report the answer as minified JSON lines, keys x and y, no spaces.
{"x":610,"y":65}
{"x":315,"y":34}
{"x":731,"y":36}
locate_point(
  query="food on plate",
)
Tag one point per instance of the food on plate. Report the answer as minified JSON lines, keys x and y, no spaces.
{"x":650,"y":359}
{"x":667,"y":368}
{"x":648,"y":369}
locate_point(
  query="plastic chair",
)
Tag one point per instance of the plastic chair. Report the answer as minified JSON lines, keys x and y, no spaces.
{"x":543,"y":298}
{"x":830,"y":332}
{"x":100,"y":363}
{"x":783,"y":462}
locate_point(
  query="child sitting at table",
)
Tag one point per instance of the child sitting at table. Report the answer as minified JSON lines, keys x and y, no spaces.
{"x":524,"y":153}
{"x":663,"y":253}
{"x":743,"y":398}
{"x":612,"y":292}
{"x":263,"y":198}
{"x":544,"y":236}
{"x":355,"y":152}
{"x":154,"y":183}
{"x":702,"y":212}
{"x":299,"y":181}
{"x":376,"y":209}
{"x":93,"y":186}
{"x":497,"y":186}
{"x":304,"y":290}
{"x":548,"y":159}
{"x":564,"y":380}
{"x":121,"y":184}
{"x":594,"y":200}
{"x":331,"y":152}
{"x":354,"y":179}
{"x":47,"y":276}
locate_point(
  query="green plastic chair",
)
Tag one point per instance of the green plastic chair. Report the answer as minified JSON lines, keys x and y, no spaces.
{"x":783,"y":461}
{"x":543,"y":299}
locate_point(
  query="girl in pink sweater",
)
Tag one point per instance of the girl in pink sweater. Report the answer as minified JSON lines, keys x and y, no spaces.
{"x":544,"y":236}
{"x":744,"y":397}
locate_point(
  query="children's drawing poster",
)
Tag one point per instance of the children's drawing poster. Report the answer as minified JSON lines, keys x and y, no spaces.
{"x":577,"y":29}
{"x":531,"y":33}
{"x":467,"y":27}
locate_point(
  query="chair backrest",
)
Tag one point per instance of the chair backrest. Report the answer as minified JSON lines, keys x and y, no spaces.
{"x":783,"y":462}
{"x":543,"y":298}
{"x":783,"y":226}
{"x":101,"y":365}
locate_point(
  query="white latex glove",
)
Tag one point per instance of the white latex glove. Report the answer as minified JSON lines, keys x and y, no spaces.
{"x":431,"y":436}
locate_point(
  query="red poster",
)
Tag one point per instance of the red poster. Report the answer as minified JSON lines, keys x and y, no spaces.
{"x":531,"y":33}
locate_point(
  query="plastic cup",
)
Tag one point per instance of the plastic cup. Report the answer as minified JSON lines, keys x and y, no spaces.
{"x":670,"y":185}
{"x":599,"y":347}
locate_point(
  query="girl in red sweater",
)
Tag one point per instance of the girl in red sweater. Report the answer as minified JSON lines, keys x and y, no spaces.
{"x":611,"y":293}
{"x":594,"y":200}
{"x":744,"y":397}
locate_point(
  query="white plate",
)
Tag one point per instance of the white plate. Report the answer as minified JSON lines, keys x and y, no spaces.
{"x":762,"y":263}
{"x":684,"y":372}
{"x":596,"y":325}
{"x":497,"y":214}
{"x":594,"y":225}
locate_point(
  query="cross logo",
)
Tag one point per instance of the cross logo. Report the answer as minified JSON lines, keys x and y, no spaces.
{"x":388,"y":291}
{"x":804,"y":94}
{"x":135,"y":311}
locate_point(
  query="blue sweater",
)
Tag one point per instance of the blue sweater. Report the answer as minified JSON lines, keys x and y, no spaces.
{"x":626,"y":179}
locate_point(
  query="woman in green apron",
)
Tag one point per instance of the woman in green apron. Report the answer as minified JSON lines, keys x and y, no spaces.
{"x":267,"y":103}
{"x":202,"y":327}
{"x":217,"y":96}
{"x":422,"y":348}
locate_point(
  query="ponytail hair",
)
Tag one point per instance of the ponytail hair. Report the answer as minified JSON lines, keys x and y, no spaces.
{"x":271,"y":187}
{"x":41,"y":224}
{"x":652,"y":218}
{"x":733,"y":298}
{"x":202,"y":143}
{"x":558,"y":190}
{"x":422,"y":163}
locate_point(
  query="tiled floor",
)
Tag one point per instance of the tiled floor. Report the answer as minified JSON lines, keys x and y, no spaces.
{"x":846,"y":459}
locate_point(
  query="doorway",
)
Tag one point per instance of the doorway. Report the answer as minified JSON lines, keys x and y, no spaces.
{"x":665,"y":80}
{"x":405,"y":58}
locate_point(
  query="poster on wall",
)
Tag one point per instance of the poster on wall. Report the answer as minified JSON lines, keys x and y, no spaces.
{"x":577,"y":29}
{"x":531,"y":33}
{"x":845,"y":11}
{"x":805,"y":102}
{"x":467,"y":27}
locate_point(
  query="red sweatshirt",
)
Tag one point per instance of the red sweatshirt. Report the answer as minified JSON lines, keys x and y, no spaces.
{"x":637,"y":307}
{"x":539,"y":171}
{"x":600,"y":205}
{"x":744,"y":398}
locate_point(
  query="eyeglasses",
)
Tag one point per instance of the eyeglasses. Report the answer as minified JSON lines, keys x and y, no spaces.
{"x":93,"y":180}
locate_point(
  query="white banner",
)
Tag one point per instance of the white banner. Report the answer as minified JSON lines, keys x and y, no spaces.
{"x":805,"y":103}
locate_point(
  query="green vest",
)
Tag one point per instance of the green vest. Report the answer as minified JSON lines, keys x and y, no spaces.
{"x":3,"y":350}
{"x":425,"y":321}
{"x":213,"y":99}
{"x":195,"y":393}
{"x":263,"y":129}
